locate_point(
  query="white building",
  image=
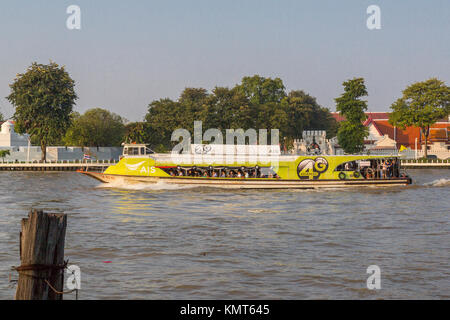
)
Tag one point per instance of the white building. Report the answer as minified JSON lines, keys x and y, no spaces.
{"x":17,"y":144}
{"x":314,"y":142}
{"x":9,"y":138}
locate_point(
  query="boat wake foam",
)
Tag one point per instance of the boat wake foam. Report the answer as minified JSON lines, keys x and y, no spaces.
{"x":438,"y":183}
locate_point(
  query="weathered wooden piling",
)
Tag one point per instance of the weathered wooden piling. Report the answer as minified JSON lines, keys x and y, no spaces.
{"x":41,"y":256}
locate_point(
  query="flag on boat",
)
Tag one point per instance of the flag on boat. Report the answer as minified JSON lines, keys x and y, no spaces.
{"x":402,"y":147}
{"x":86,"y":157}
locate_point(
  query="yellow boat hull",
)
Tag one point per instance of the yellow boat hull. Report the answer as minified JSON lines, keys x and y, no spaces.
{"x":236,"y":183}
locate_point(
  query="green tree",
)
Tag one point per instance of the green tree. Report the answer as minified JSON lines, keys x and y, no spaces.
{"x":43,"y":98}
{"x":352,"y":132}
{"x":191,"y":107}
{"x":262,"y":94}
{"x":96,"y":127}
{"x":260,"y":90}
{"x":163,"y":117}
{"x":4,"y":153}
{"x":422,"y":105}
{"x":304,"y":113}
{"x":136,"y":132}
{"x":257,"y":102}
{"x":227,"y":108}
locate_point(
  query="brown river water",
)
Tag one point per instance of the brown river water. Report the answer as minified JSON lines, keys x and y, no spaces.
{"x":168,"y":243}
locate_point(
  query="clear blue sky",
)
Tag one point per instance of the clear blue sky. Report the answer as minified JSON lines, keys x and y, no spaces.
{"x":129,"y":53}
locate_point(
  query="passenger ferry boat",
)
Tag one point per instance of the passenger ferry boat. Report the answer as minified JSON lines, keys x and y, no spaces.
{"x":243,"y":169}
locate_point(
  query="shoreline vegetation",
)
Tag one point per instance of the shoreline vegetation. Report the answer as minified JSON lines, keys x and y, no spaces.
{"x":44,"y":97}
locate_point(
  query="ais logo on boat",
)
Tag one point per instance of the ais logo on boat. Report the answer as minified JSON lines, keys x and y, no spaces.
{"x":312,"y":168}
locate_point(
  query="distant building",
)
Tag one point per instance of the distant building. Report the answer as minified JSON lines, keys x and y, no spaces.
{"x":385,"y":139}
{"x":9,"y":138}
{"x":313,"y":142}
{"x":17,"y":144}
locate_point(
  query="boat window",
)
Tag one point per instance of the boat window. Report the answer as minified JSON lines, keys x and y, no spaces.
{"x":133,"y":151}
{"x":354,"y":165}
{"x":381,"y":168}
{"x":222,"y":172}
{"x":268,"y":172}
{"x":347,"y":166}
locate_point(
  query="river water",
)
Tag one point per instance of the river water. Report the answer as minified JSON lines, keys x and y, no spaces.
{"x":159,"y":243}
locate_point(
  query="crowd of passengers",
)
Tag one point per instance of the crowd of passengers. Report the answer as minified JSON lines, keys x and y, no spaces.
{"x":378,"y":169}
{"x":221,"y":173}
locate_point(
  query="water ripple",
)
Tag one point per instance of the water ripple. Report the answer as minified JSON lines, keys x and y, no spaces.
{"x":207,"y":243}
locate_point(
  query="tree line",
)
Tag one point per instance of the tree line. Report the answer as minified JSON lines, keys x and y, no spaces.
{"x":44,"y":97}
{"x":422,"y":104}
{"x":256,"y":102}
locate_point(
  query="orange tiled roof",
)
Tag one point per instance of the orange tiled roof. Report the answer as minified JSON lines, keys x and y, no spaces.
{"x":439,"y":132}
{"x":373,"y":116}
{"x":370,"y":115}
{"x":407,"y":137}
{"x":337,"y":116}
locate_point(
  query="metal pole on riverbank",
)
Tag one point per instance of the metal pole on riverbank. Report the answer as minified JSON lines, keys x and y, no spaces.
{"x":41,"y":273}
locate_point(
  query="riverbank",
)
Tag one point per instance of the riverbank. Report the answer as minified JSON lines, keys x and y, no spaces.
{"x":92,"y":165}
{"x":425,"y":164}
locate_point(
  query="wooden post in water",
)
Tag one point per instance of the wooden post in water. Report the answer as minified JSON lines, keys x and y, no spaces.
{"x":41,"y":256}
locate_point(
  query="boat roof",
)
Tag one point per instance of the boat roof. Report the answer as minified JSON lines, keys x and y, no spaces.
{"x":134,"y":145}
{"x":189,"y":159}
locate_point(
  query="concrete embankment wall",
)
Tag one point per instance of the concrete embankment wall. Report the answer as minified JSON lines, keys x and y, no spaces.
{"x":62,"y":153}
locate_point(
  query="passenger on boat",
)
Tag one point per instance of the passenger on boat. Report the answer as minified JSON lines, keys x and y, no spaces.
{"x":369,"y":173}
{"x":384,"y":167}
{"x":378,"y":169}
{"x":388,"y":168}
{"x":395,"y":171}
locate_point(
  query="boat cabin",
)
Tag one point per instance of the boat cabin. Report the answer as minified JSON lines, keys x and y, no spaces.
{"x":385,"y":167}
{"x":136,"y":150}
